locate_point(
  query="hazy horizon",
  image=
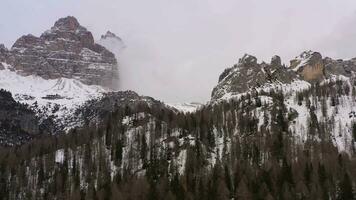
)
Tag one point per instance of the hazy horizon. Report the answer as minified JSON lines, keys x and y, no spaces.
{"x":177,"y":50}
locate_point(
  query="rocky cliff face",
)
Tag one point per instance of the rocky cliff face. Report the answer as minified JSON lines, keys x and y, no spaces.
{"x":248,"y":74}
{"x":67,"y":50}
{"x":3,"y":53}
{"x":342,"y":67}
{"x":309,"y":65}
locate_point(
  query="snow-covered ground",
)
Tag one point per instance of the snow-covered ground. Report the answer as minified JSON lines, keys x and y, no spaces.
{"x":342,"y":115}
{"x":64,"y":93}
{"x":185,"y":107}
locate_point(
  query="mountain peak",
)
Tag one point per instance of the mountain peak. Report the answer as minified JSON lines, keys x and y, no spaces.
{"x":68,"y":28}
{"x":110,"y":34}
{"x":67,"y":50}
{"x":276,"y":61}
{"x":308,"y":54}
{"x":67,"y":23}
{"x":248,"y":59}
{"x":112,"y":42}
{"x":309,"y":64}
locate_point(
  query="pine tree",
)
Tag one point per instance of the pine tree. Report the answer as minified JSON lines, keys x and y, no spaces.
{"x":345,"y":189}
{"x":354,"y":131}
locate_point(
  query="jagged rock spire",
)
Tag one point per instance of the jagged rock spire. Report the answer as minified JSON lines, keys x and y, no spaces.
{"x":67,"y":23}
{"x":248,"y":59}
{"x":276,"y":61}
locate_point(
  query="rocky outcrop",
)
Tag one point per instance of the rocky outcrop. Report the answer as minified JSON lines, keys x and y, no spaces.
{"x":309,"y":65}
{"x":340,"y":67}
{"x":249,"y":74}
{"x":3,"y":53}
{"x":276,"y":72}
{"x":67,"y":50}
{"x":312,"y":67}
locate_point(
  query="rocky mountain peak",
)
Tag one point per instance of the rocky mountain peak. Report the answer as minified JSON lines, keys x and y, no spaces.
{"x":69,"y":29}
{"x":309,"y":65}
{"x":311,"y":56}
{"x":315,"y":58}
{"x":67,"y":50}
{"x":248,"y":59}
{"x":110,"y":34}
{"x":248,"y":74}
{"x":69,"y":23}
{"x":112,"y":42}
{"x":276,"y":61}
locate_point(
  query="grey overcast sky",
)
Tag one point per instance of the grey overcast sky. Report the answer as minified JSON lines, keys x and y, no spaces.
{"x":177,"y":49}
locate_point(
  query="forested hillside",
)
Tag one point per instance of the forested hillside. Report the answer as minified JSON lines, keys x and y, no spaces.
{"x":242,"y":148}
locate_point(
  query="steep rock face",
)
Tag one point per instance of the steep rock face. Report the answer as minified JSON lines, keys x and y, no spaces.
{"x":340,"y":67}
{"x":312,"y":67}
{"x":309,"y":65}
{"x":248,"y":74}
{"x":17,"y":122}
{"x":3,"y":55}
{"x":67,"y":50}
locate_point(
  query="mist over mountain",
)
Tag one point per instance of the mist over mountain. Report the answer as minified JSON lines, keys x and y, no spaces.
{"x":165,"y":46}
{"x":80,"y":118}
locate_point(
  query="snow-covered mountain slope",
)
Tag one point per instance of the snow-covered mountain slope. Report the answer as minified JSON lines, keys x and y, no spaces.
{"x":331,"y":111}
{"x":59,"y":97}
{"x":185,"y":107}
{"x":326,"y":111}
{"x":301,"y":60}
